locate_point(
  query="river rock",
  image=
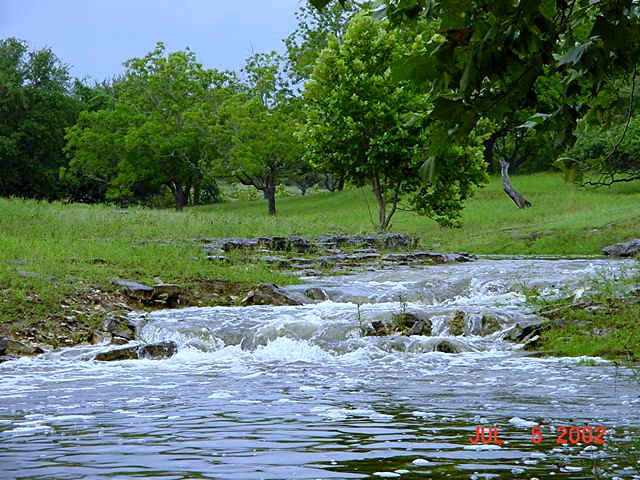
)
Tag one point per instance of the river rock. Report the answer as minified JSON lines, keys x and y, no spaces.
{"x":421,"y":327}
{"x":624,"y":249}
{"x":455,"y":324}
{"x":447,"y":346}
{"x":13,"y":349}
{"x":270,"y":294}
{"x":527,"y":333}
{"x":489,"y":325}
{"x":118,"y":329}
{"x":152,"y":351}
{"x":316,"y":293}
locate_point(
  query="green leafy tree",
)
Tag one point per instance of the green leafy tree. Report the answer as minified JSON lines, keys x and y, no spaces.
{"x":487,"y":57}
{"x":37,"y":103}
{"x":315,"y":28}
{"x":259,"y":129}
{"x":361,"y":125}
{"x":157,"y":133}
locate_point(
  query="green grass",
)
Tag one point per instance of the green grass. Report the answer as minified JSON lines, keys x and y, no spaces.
{"x":84,"y":246}
{"x":564,"y":219}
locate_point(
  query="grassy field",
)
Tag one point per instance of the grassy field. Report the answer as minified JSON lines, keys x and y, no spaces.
{"x":57,"y":260}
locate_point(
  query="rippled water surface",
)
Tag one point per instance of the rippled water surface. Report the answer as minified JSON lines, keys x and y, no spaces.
{"x":297,"y":392}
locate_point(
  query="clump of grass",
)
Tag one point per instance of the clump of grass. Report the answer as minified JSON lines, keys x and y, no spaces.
{"x":603,"y":322}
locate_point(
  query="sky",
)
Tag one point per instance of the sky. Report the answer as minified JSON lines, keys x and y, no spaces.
{"x":94,"y":37}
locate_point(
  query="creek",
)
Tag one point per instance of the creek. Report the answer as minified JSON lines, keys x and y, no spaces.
{"x":297,"y":392}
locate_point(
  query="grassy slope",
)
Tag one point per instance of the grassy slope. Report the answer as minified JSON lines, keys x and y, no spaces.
{"x":83,"y":246}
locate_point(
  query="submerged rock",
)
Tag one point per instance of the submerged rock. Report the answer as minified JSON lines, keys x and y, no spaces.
{"x":401,"y":324}
{"x":489,"y":325}
{"x":421,"y":327}
{"x":316,"y":293}
{"x":455,"y":324}
{"x":270,"y":294}
{"x":152,"y":351}
{"x":447,"y":346}
{"x":624,"y":249}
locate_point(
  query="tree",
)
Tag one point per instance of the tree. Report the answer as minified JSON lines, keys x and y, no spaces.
{"x":489,"y":58}
{"x":156,"y":134}
{"x":312,"y":34}
{"x":36,"y":105}
{"x":604,"y":155}
{"x":259,"y":128}
{"x":361,"y":125}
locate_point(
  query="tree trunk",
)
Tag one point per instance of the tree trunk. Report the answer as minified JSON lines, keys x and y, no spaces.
{"x":180,"y":194}
{"x":383,"y":221}
{"x":514,"y":195}
{"x":270,"y":195}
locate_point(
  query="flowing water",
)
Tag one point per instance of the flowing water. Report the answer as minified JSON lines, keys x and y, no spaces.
{"x":298,"y":393}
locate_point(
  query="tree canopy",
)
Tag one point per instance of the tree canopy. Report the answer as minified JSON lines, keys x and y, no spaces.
{"x":37,"y":103}
{"x":490,"y":58}
{"x":361,"y":124}
{"x":156,"y":133}
{"x":259,"y":126}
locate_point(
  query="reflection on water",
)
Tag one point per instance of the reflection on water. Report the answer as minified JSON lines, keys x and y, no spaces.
{"x":296,"y":392}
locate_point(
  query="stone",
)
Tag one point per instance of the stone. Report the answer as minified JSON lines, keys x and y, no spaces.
{"x":167,"y":293}
{"x":218,"y":258}
{"x":13,"y":349}
{"x":446,"y":346}
{"x":431,"y":258}
{"x":489,"y":325}
{"x":158,"y":350}
{"x":402,"y":258}
{"x":520,"y":333}
{"x":403,"y":322}
{"x":316,"y":293}
{"x":152,"y":351}
{"x":376,"y":329}
{"x":126,"y":353}
{"x":624,"y":249}
{"x":135,"y":290}
{"x":421,"y":327}
{"x":120,"y":327}
{"x":270,"y":294}
{"x":228,"y":244}
{"x":37,"y":275}
{"x":456,"y":323}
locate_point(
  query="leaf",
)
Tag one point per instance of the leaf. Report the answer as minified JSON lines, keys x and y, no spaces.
{"x":428,"y":170}
{"x":380,"y":14}
{"x":548,"y":8}
{"x":574,"y":55}
{"x":535,"y":120}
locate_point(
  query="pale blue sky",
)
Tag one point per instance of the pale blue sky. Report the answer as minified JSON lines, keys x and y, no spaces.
{"x":94,"y":37}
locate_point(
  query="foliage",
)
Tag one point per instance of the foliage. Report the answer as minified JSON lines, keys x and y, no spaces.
{"x":37,"y":103}
{"x":604,"y":154}
{"x":312,"y":34}
{"x":155,"y":135}
{"x":257,"y":128}
{"x":360,"y":125}
{"x":490,"y":59}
